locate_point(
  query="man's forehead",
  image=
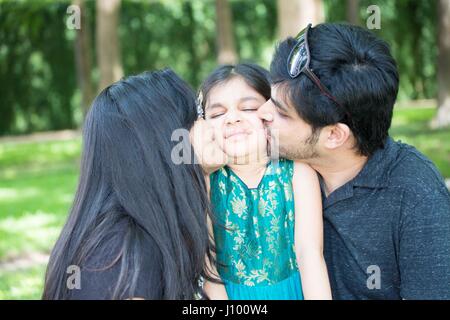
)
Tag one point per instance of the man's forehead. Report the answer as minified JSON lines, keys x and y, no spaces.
{"x":280,"y":97}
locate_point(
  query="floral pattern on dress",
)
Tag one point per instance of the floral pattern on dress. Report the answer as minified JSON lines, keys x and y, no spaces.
{"x":255,"y":230}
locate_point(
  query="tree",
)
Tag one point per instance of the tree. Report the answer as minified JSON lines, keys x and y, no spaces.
{"x":442,"y":118}
{"x":190,"y":31}
{"x":83,"y":58}
{"x":225,"y":38}
{"x":352,"y":11}
{"x":294,"y":15}
{"x":108,"y":45}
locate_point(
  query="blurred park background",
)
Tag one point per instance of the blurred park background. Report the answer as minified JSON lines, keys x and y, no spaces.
{"x":53,"y":64}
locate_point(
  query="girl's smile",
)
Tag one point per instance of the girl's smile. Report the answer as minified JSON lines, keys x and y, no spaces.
{"x":236,"y":133}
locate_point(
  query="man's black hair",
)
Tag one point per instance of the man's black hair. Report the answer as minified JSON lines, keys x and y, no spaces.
{"x":358,"y":69}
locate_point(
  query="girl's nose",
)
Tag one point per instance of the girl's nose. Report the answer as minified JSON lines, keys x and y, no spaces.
{"x":233,"y":116}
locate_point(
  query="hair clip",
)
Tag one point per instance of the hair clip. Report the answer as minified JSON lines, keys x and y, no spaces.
{"x":200,"y":112}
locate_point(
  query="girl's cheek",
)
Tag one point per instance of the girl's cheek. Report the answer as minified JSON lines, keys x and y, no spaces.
{"x":218,"y":132}
{"x":256,"y":122}
{"x":214,"y":123}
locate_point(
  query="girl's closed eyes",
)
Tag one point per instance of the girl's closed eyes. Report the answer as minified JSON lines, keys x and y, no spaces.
{"x":219,"y":110}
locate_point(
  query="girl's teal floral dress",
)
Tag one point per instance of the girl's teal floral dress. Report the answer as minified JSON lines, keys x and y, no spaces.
{"x":254,"y":234}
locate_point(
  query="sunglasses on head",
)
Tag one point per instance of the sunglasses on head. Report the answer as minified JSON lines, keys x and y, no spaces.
{"x":299,"y":60}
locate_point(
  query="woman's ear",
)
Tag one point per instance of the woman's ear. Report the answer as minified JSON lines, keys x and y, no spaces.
{"x":337,"y":135}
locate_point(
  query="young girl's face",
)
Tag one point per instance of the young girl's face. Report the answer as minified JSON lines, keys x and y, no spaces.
{"x":231,"y":109}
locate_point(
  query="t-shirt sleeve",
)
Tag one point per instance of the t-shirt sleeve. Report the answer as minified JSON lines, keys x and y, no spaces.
{"x":424,"y":251}
{"x":100,"y":273}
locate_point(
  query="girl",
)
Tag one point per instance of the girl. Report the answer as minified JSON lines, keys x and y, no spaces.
{"x":137,"y":227}
{"x":261,"y":241}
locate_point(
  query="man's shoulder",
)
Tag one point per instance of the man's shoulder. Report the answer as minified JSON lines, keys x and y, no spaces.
{"x":414,"y":173}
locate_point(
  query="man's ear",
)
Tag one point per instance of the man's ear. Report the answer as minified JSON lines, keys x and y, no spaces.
{"x":336,"y":135}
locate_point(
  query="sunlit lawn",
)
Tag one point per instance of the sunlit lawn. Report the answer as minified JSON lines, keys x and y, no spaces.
{"x":23,"y":284}
{"x":37,"y":183}
{"x":38,"y":180}
{"x":36,"y":188}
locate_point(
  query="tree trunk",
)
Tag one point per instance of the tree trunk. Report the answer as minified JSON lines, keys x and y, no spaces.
{"x":442,"y":118}
{"x":108,"y":45}
{"x":352,"y":11}
{"x":194,"y":63}
{"x":83,"y":58}
{"x":225,"y":38}
{"x":294,"y":15}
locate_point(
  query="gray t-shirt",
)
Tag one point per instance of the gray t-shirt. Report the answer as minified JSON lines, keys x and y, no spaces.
{"x":387,"y":231}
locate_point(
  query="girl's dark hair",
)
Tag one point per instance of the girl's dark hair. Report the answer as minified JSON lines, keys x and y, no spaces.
{"x":254,"y":75}
{"x":127,"y":175}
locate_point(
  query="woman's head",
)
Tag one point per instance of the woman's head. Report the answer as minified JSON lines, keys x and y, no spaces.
{"x":231,"y":97}
{"x":127,"y":174}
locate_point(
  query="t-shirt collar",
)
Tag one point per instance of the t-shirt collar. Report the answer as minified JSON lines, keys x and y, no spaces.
{"x":375,"y":173}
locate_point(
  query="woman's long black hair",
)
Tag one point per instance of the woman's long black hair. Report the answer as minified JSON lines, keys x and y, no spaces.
{"x":127,"y":175}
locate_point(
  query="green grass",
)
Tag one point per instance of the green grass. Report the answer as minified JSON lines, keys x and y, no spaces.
{"x":37,"y":154}
{"x":33,"y":207}
{"x":38,"y":181}
{"x":37,"y":184}
{"x":23,"y":284}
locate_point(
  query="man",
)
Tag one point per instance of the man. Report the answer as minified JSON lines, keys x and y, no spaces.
{"x":386,"y":208}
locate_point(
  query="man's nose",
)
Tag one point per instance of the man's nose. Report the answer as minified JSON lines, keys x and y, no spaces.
{"x":265,"y":112}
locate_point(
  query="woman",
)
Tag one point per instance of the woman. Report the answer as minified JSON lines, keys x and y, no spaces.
{"x":137,"y":227}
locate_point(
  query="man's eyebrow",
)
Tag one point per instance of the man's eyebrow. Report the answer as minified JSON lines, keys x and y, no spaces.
{"x":278,"y":105}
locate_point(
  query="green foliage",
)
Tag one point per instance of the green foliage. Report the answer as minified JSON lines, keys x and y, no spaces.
{"x":185,"y":38}
{"x":410,"y":28}
{"x":37,"y":62}
{"x":37,"y":74}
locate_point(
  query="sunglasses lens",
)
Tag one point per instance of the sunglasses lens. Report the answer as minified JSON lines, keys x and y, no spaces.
{"x":298,"y":58}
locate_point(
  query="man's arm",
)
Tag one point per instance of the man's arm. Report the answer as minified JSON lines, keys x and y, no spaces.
{"x":424,"y":252}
